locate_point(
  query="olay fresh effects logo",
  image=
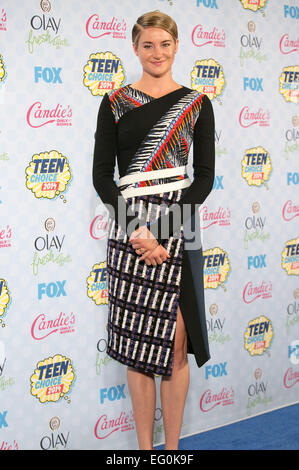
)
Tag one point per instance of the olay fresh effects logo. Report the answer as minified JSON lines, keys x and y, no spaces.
{"x":216,"y":268}
{"x":254,"y":226}
{"x":208,"y":36}
{"x":107,"y":425}
{"x":289,"y":83}
{"x":97,"y":27}
{"x":215,"y":326}
{"x":292,"y":320}
{"x":5,"y":301}
{"x":292,"y":137}
{"x":48,"y":27}
{"x":210,"y":400}
{"x":3,"y":20}
{"x":219,"y":217}
{"x":250,"y":117}
{"x":52,"y":379}
{"x":207,"y":77}
{"x":39,"y":115}
{"x":97,"y":288}
{"x":290,"y":211}
{"x":48,"y":248}
{"x":48,"y":175}
{"x":258,"y":336}
{"x":256,"y":166}
{"x":253,"y":5}
{"x":103,"y":72}
{"x":56,"y":440}
{"x":290,"y":257}
{"x":251,"y":45}
{"x":258,"y":392}
{"x":288,"y":45}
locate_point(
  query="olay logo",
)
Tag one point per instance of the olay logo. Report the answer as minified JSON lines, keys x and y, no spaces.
{"x":287,"y":45}
{"x":290,"y":211}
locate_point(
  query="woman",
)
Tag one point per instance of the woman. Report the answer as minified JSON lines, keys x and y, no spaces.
{"x":155,"y":283}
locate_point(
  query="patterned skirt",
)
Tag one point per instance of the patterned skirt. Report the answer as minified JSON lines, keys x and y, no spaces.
{"x":143,"y":300}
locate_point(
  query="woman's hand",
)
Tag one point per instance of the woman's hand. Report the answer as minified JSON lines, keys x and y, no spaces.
{"x":145,"y":244}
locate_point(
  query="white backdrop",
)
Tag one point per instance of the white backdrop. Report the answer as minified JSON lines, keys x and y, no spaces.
{"x":58,"y":388}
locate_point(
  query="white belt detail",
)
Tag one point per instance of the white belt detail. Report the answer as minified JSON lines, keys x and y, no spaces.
{"x":156,"y":188}
{"x":155,"y":174}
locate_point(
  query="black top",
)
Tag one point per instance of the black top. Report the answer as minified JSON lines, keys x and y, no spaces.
{"x":121,"y":135}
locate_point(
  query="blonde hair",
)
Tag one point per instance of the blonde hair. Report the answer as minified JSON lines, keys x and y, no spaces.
{"x":156,"y":19}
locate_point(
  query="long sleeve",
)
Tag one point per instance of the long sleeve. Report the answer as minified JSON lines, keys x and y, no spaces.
{"x":204,"y":174}
{"x":105,"y":150}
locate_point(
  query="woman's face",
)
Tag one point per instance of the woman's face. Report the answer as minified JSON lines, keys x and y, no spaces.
{"x":156,"y":51}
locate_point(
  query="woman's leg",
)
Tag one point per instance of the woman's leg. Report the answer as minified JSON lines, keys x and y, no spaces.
{"x":174,"y":388}
{"x":143,"y":395}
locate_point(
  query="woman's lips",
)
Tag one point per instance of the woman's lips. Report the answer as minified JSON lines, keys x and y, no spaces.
{"x":158,"y":63}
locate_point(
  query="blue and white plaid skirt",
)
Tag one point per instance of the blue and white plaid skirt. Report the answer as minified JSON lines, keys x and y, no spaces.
{"x":143,"y":300}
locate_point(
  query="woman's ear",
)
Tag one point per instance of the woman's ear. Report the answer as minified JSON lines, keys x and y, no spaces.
{"x":176,"y":46}
{"x":134,"y":48}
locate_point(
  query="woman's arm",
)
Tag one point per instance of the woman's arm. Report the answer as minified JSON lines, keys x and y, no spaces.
{"x":103,"y":169}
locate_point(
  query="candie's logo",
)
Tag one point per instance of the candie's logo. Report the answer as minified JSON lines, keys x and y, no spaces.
{"x":290,"y":257}
{"x":48,"y":174}
{"x":97,"y":284}
{"x":253,"y":5}
{"x":248,"y":118}
{"x":288,"y":45}
{"x":207,"y":77}
{"x":203,"y":36}
{"x":97,"y":27}
{"x":5,"y":300}
{"x":258,"y":336}
{"x":256,"y":166}
{"x":52,"y":379}
{"x":289,"y":83}
{"x":216,"y":268}
{"x":103,"y":72}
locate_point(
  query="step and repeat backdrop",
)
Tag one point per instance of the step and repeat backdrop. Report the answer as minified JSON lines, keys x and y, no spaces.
{"x":58,"y":388}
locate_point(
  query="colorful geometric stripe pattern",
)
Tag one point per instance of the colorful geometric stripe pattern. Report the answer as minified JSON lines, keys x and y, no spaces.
{"x":168,"y":143}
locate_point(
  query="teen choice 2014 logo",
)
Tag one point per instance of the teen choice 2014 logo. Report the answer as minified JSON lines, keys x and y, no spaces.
{"x":3,"y":73}
{"x":289,"y":83}
{"x":103,"y":72}
{"x":258,"y":336}
{"x":5,"y":300}
{"x":253,"y":5}
{"x":207,"y":77}
{"x":290,"y":257}
{"x":256,"y":166}
{"x":52,"y":379}
{"x":97,"y":284}
{"x":48,"y":174}
{"x":216,"y":268}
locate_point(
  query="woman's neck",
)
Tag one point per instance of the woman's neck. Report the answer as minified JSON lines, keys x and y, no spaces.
{"x":155,"y":85}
